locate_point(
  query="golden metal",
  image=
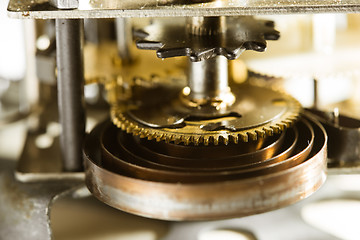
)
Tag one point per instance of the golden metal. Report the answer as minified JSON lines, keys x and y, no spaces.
{"x":274,"y":186}
{"x":194,"y":133}
{"x":102,"y":64}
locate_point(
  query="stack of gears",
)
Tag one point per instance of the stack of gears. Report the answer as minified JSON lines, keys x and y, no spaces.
{"x":207,"y":147}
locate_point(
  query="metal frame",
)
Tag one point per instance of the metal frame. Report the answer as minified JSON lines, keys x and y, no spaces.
{"x":43,"y":9}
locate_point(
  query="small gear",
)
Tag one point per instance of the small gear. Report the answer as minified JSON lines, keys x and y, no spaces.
{"x":261,"y":112}
{"x":171,"y":39}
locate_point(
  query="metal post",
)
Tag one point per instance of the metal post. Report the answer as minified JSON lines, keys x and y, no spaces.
{"x":209,"y":78}
{"x":70,"y":72}
{"x":316,"y":93}
{"x":124,"y":38}
{"x":206,"y":25}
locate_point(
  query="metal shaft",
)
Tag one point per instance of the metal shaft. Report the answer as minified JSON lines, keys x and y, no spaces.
{"x":209,"y":78}
{"x":316,"y":93}
{"x":124,"y":38}
{"x":70,"y":73}
{"x":206,"y":25}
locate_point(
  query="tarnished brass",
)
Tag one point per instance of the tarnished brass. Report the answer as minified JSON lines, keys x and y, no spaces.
{"x":160,"y":115}
{"x":135,"y":182}
{"x":210,"y":107}
{"x":102,"y":64}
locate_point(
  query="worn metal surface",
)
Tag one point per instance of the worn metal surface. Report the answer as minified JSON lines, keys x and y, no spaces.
{"x":25,"y":207}
{"x":70,"y":69}
{"x":208,"y":82}
{"x":173,"y":38}
{"x":124,"y":38}
{"x":206,"y":200}
{"x":344,"y":141}
{"x":169,"y":8}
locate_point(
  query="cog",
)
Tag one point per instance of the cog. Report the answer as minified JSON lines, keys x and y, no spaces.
{"x":171,"y":39}
{"x":260,"y":112}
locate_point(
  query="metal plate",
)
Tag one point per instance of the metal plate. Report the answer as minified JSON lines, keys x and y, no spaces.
{"x":176,"y":8}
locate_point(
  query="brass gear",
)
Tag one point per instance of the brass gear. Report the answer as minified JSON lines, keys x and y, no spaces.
{"x":167,"y":111}
{"x":282,"y":112}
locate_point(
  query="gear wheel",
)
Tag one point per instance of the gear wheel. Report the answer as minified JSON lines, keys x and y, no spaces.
{"x":170,"y":39}
{"x":265,"y":112}
{"x":196,"y":115}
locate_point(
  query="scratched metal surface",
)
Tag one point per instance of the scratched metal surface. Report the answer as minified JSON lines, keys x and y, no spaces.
{"x":176,"y":8}
{"x":25,"y":207}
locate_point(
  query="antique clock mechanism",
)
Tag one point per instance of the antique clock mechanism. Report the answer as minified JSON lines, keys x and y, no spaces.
{"x":204,"y":146}
{"x":179,"y":128}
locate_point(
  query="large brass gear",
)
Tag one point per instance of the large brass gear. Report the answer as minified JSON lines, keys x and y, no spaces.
{"x":267,"y":112}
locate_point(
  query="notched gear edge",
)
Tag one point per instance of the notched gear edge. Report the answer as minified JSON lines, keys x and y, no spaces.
{"x":212,"y":137}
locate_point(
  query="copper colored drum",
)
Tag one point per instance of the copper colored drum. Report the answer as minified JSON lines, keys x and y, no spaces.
{"x":138,"y":177}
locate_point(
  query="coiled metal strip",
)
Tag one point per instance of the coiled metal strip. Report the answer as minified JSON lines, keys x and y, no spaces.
{"x":161,"y":193}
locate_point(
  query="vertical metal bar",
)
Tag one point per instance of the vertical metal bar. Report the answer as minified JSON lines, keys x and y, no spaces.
{"x":209,"y":78}
{"x":124,"y":38}
{"x":70,"y":73}
{"x":206,"y":25}
{"x":316,"y":94}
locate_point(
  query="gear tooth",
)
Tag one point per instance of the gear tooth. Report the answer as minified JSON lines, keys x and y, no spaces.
{"x":260,"y":133}
{"x":165,"y":137}
{"x":206,"y":140}
{"x":293,"y":118}
{"x":252,"y":135}
{"x":276,"y":129}
{"x":135,"y":132}
{"x":177,"y":141}
{"x":196,"y":140}
{"x":172,"y":138}
{"x":129,"y":129}
{"x":159,"y":137}
{"x":215,"y":140}
{"x":151,"y":136}
{"x":144,"y":133}
{"x":186,"y":140}
{"x":244,"y":137}
{"x":234,"y":139}
{"x":288,"y":123}
{"x":168,"y":135}
{"x":225,"y":140}
{"x":269,"y":131}
{"x":282,"y":126}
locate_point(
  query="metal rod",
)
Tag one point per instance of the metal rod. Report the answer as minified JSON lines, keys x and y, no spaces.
{"x":124,"y":38}
{"x":209,"y":78}
{"x":70,"y":72}
{"x":316,"y":94}
{"x":206,"y":25}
